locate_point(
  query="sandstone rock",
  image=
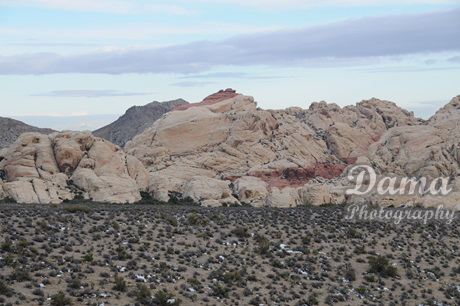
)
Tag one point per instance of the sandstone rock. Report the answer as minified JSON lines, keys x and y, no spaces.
{"x":251,"y":190}
{"x":321,"y":194}
{"x":287,"y":197}
{"x":229,"y":137}
{"x":210,"y":100}
{"x":51,"y":168}
{"x":431,"y":151}
{"x":350,"y":130}
{"x":201,"y":188}
{"x":21,"y":192}
{"x":160,"y":185}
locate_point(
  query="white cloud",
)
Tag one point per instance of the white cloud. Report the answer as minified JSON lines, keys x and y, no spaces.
{"x":102,"y":6}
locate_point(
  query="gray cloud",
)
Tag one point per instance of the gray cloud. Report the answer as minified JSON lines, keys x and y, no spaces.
{"x":89,"y":93}
{"x":347,"y":40}
{"x":455,"y":59}
{"x":405,"y":69}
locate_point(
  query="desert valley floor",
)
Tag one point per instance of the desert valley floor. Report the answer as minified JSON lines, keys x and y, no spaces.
{"x":97,"y":254}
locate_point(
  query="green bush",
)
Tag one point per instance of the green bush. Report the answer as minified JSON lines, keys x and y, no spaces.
{"x":241,"y":232}
{"x":164,"y":298}
{"x":263,"y":245}
{"x":381,"y":266}
{"x":59,"y":299}
{"x":143,"y":295}
{"x":120,"y":284}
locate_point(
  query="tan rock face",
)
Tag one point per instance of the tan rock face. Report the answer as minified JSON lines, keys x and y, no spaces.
{"x":52,"y":168}
{"x":350,"y":131}
{"x":252,"y":190}
{"x":228,"y":137}
{"x":430,"y":151}
{"x":208,"y":191}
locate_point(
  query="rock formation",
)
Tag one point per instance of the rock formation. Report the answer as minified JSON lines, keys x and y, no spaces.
{"x":227,"y":151}
{"x":135,"y":121}
{"x":52,"y":168}
{"x":10,"y":130}
{"x":227,"y":137}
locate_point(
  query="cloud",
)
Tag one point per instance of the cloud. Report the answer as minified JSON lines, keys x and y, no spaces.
{"x":191,"y":84}
{"x":230,"y":75}
{"x":405,"y":69}
{"x":303,"y":4}
{"x":136,"y":31}
{"x":349,"y":40}
{"x":89,"y":93}
{"x":454,"y":59}
{"x":102,"y":6}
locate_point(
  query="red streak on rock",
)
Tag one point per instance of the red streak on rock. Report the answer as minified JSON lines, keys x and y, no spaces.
{"x":297,"y":177}
{"x":219,"y":96}
{"x":376,"y":138}
{"x":350,"y":160}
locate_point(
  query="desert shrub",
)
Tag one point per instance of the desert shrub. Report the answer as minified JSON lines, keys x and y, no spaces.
{"x":20,"y":275}
{"x":220,"y":291}
{"x":59,"y":299}
{"x":7,"y":246}
{"x":263,"y":245}
{"x":348,"y":273}
{"x":76,"y":209}
{"x":88,"y":257}
{"x":4,"y":289}
{"x":7,"y":200}
{"x":74,"y":283}
{"x":120,"y":284}
{"x":241,"y":232}
{"x":143,"y":295}
{"x":164,"y":298}
{"x":38,"y":292}
{"x":196,"y":220}
{"x":452,"y":293}
{"x":169,"y":219}
{"x":122,"y":254}
{"x":381,"y":266}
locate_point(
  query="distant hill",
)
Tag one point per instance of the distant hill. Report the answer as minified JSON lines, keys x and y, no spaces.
{"x":10,"y":130}
{"x":135,"y":121}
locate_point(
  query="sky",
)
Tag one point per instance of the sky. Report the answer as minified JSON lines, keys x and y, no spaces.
{"x":79,"y":64}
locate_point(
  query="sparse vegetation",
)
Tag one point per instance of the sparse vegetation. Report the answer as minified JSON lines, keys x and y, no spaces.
{"x":171,"y":255}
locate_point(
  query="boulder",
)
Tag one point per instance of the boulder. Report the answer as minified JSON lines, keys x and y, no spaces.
{"x":209,"y":191}
{"x":286,"y":197}
{"x":320,"y":194}
{"x":251,"y":190}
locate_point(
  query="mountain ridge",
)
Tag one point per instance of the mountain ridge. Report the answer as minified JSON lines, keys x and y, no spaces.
{"x":135,"y":120}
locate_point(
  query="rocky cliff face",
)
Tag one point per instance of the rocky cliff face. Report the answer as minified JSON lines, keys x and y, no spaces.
{"x":52,"y":168}
{"x":10,"y":130}
{"x":135,"y":121}
{"x":275,"y":151}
